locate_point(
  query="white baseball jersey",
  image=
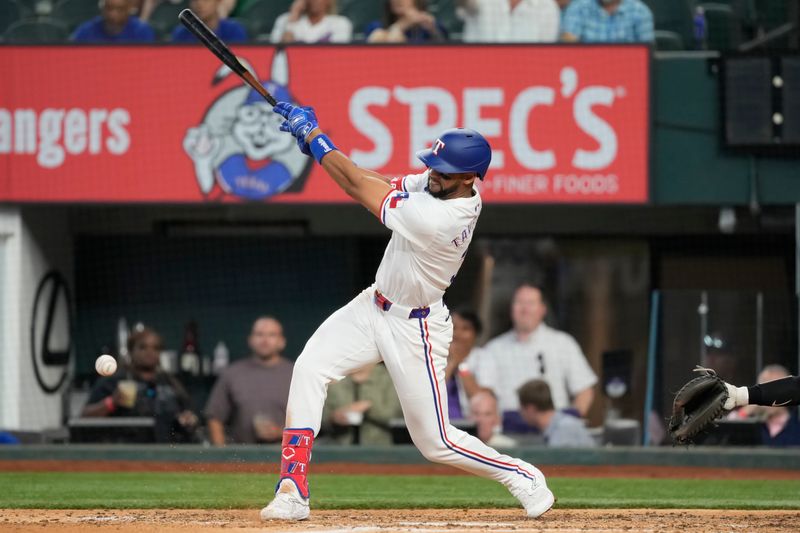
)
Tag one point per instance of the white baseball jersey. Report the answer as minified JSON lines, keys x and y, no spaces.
{"x":430,"y":238}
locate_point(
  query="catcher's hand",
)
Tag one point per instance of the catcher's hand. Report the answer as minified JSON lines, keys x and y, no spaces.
{"x":696,"y":406}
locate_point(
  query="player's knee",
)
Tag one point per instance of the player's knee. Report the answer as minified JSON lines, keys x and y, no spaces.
{"x":432,"y":448}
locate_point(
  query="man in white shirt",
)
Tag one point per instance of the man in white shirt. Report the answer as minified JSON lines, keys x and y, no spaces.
{"x":532,"y":350}
{"x":312,"y":21}
{"x":509,"y":21}
{"x":400,"y":319}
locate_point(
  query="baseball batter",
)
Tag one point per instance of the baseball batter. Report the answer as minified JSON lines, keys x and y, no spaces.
{"x":401,"y":318}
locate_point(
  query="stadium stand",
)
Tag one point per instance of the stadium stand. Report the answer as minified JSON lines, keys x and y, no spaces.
{"x":72,"y":13}
{"x":724,"y":26}
{"x":445,"y":13}
{"x":34,"y":7}
{"x":674,"y":16}
{"x":361,"y":13}
{"x":258,"y":17}
{"x":668,"y":40}
{"x":165,"y":17}
{"x":729,"y":23}
{"x":42,"y":31}
{"x":10,"y":12}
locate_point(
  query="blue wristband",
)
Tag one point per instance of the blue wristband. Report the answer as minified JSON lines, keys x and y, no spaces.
{"x":321,"y":146}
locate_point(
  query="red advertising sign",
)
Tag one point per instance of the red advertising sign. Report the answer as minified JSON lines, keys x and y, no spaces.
{"x":170,"y":125}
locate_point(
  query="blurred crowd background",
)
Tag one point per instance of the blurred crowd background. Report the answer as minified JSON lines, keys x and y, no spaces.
{"x":668,"y":24}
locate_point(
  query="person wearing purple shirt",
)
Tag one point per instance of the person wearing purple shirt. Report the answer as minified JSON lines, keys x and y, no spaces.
{"x":229,"y":31}
{"x":460,"y":381}
{"x":116,"y":24}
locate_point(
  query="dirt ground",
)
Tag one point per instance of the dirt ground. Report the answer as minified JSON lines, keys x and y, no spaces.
{"x":410,"y":521}
{"x":396,"y":521}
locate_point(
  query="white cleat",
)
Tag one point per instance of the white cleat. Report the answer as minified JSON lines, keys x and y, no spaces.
{"x":288,"y":504}
{"x":534,"y":496}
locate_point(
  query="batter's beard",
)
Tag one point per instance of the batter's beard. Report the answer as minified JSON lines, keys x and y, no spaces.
{"x":443,"y":193}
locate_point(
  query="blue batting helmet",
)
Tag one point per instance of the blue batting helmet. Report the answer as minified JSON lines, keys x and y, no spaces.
{"x":458,"y":150}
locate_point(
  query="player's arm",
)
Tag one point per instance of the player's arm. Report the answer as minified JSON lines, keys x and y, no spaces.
{"x":366,"y":187}
{"x":780,"y":392}
{"x":376,"y":175}
{"x":583,"y":400}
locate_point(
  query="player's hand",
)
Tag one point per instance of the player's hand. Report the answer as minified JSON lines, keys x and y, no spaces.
{"x":300,"y":121}
{"x":304,"y":147}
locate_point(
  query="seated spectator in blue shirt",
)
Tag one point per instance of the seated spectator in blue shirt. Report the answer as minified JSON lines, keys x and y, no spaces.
{"x":607,"y":21}
{"x":229,"y":31}
{"x":115,"y":24}
{"x":560,"y":429}
{"x":406,"y":21}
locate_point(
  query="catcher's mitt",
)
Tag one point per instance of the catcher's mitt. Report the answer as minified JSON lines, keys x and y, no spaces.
{"x":697,"y":405}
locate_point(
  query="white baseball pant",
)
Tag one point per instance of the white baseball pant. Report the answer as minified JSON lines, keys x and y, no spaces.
{"x":415,"y":353}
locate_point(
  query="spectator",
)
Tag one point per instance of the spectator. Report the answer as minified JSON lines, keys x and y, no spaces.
{"x":483,"y":410}
{"x":312,"y":21}
{"x":534,"y":350}
{"x":250,"y":396}
{"x":115,"y":24}
{"x":145,"y":8}
{"x":459,"y":377}
{"x":559,"y":428}
{"x":359,"y":407}
{"x":143,"y":389}
{"x":780,"y":426}
{"x":517,"y":21}
{"x":406,"y":21}
{"x":229,"y":31}
{"x":607,"y":21}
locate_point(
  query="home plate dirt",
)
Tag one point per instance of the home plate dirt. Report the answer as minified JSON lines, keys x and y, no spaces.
{"x":407,"y":521}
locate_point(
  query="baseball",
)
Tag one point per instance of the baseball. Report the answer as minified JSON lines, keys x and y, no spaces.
{"x":105,"y":365}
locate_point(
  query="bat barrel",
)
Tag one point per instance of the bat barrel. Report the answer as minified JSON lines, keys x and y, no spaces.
{"x":220,"y":49}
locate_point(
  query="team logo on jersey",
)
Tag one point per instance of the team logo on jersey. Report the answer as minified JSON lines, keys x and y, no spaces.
{"x":238,"y":148}
{"x":397,"y":200}
{"x":438,"y":145}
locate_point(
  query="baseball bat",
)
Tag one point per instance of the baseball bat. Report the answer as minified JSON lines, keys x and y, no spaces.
{"x":221,"y":50}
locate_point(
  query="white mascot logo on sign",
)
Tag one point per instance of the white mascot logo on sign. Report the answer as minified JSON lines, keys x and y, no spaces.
{"x":239,"y":145}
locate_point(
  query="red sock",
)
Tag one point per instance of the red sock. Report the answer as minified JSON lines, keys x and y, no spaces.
{"x":295,"y":455}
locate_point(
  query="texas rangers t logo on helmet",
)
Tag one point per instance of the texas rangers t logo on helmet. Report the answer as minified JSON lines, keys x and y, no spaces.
{"x":438,"y":145}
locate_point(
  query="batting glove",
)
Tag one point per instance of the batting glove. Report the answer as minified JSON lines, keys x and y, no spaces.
{"x":300,"y":121}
